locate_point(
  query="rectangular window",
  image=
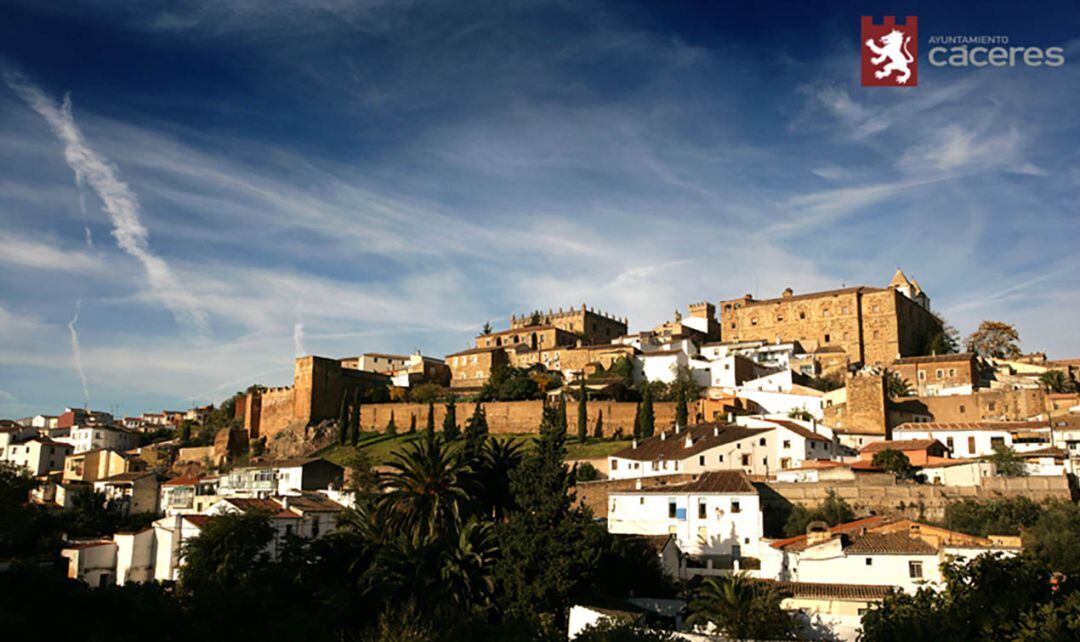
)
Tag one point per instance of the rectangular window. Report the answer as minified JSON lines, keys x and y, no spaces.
{"x":939,"y":373}
{"x":825,"y":312}
{"x":701,"y":460}
{"x":997,"y":441}
{"x":869,"y":561}
{"x":720,"y":458}
{"x":915,"y":570}
{"x":671,"y":510}
{"x":701,"y":510}
{"x":746,"y":460}
{"x":961,"y":408}
{"x":826,"y":338}
{"x":614,"y":464}
{"x":952,"y":372}
{"x":735,"y":507}
{"x":787,"y":443}
{"x":949,"y":442}
{"x":971,"y":445}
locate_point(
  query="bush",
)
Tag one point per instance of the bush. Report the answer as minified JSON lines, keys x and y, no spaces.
{"x":587,"y":472}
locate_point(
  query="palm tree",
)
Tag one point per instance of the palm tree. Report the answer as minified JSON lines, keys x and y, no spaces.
{"x":466,"y":573}
{"x":424,"y":489}
{"x":896,"y":385}
{"x":740,"y":608}
{"x":1057,"y":382}
{"x":500,"y":457}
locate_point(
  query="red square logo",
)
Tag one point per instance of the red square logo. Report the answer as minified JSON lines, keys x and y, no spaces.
{"x":890,"y":52}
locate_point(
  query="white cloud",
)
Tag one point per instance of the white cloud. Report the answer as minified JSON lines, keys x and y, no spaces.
{"x":117,"y":198}
{"x":52,"y":255}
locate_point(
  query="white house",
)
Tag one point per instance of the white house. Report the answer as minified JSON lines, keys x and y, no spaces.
{"x":281,"y":477}
{"x":94,"y":437}
{"x":716,"y":518}
{"x":958,"y":472}
{"x":879,"y":550}
{"x":979,"y":438}
{"x":39,"y":455}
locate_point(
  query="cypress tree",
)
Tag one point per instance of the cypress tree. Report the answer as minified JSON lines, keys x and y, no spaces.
{"x":343,"y":419}
{"x":476,"y":432}
{"x":412,"y":424}
{"x":391,"y":427}
{"x":562,"y":421}
{"x":582,"y":415}
{"x":449,"y":424}
{"x":648,"y":418}
{"x":680,"y":407}
{"x":598,"y":432}
{"x":355,"y":431}
{"x":430,"y":417}
{"x":637,"y":421}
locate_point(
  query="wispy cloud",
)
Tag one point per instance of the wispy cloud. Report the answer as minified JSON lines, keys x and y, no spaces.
{"x":118,"y":199}
{"x":298,"y":339}
{"x":76,"y":353}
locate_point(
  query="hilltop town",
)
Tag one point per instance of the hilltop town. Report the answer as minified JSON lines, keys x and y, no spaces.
{"x":826,"y":453}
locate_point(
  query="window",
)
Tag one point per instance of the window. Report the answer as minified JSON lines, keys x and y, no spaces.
{"x":701,"y":510}
{"x":992,"y":405}
{"x":787,"y":443}
{"x":735,"y":508}
{"x":971,"y":445}
{"x":614,"y":464}
{"x":826,"y":338}
{"x":922,"y":375}
{"x":914,"y":570}
{"x":952,"y":372}
{"x":997,"y":441}
{"x":869,"y":561}
{"x":701,"y":460}
{"x":761,"y":442}
{"x":874,"y":308}
{"x":720,"y":458}
{"x":844,"y":310}
{"x":949,"y":441}
{"x":961,"y":408}
{"x":746,"y":460}
{"x":877,"y":334}
{"x":753,"y":320}
{"x":825,"y":312}
{"x":802,"y":315}
{"x":939,"y":373}
{"x":671,"y":511}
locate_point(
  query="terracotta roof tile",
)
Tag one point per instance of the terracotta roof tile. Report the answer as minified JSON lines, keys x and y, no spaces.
{"x":888,"y":544}
{"x":673,"y":446}
{"x":972,"y":425}
{"x":719,"y":481}
{"x":844,"y":592}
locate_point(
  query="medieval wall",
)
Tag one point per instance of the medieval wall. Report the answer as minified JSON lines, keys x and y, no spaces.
{"x":815,"y":320}
{"x":517,"y":417}
{"x":274,"y":410}
{"x":983,"y":405}
{"x":865,"y":409}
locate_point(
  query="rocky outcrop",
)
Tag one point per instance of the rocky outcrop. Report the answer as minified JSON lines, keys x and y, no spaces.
{"x":299,"y":439}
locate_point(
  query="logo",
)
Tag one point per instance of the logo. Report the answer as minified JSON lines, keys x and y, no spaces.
{"x":890,"y":52}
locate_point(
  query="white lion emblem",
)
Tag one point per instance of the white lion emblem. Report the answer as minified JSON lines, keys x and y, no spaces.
{"x":894,"y":49}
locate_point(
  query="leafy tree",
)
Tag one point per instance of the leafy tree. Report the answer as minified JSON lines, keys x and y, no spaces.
{"x":833,"y":510}
{"x":476,"y":433}
{"x":895,"y":462}
{"x":826,"y":382}
{"x":945,"y":341}
{"x":896,"y":386}
{"x":1005,"y":516}
{"x":800,"y":413}
{"x":582,"y":414}
{"x":1054,"y":538}
{"x":1007,"y":462}
{"x":449,"y":424}
{"x":534,"y":319}
{"x":507,"y":383}
{"x":185,"y":430}
{"x":598,"y":431}
{"x":486,"y":329}
{"x":391,"y":427}
{"x":227,"y":553}
{"x":995,"y":339}
{"x":423,"y":490}
{"x":613,"y":630}
{"x":741,"y":608}
{"x":343,"y":419}
{"x":683,"y":385}
{"x":543,"y":559}
{"x":427,"y":392}
{"x":1057,"y":382}
{"x":586,"y":472}
{"x":648,"y":417}
{"x":24,"y":528}
{"x":986,"y":599}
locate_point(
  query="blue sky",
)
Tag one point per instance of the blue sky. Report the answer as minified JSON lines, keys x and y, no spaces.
{"x":230,"y":184}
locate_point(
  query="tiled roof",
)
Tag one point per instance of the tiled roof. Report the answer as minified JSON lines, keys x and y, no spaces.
{"x":1057,"y":453}
{"x":972,"y":425}
{"x":314,"y":503}
{"x":128,"y":477}
{"x":903,"y":444}
{"x":720,"y":481}
{"x":475,"y":351}
{"x":844,"y":592}
{"x":182,"y":481}
{"x":798,"y":542}
{"x":198,"y":520}
{"x":82,"y":545}
{"x":888,"y":544}
{"x":274,"y":508}
{"x":673,"y":445}
{"x":935,"y":358}
{"x":808,"y":295}
{"x":801,"y":431}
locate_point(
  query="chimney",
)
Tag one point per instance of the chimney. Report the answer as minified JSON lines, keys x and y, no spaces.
{"x":788,"y":292}
{"x":285,"y":502}
{"x":813,"y":424}
{"x":637,"y":484}
{"x":633,"y":444}
{"x":817,"y":532}
{"x":663,"y":435}
{"x":689,"y":440}
{"x":730,"y":417}
{"x":716,"y":431}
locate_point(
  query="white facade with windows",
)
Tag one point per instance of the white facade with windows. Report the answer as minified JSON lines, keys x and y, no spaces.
{"x":978,"y":439}
{"x":85,"y":438}
{"x":719,"y":514}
